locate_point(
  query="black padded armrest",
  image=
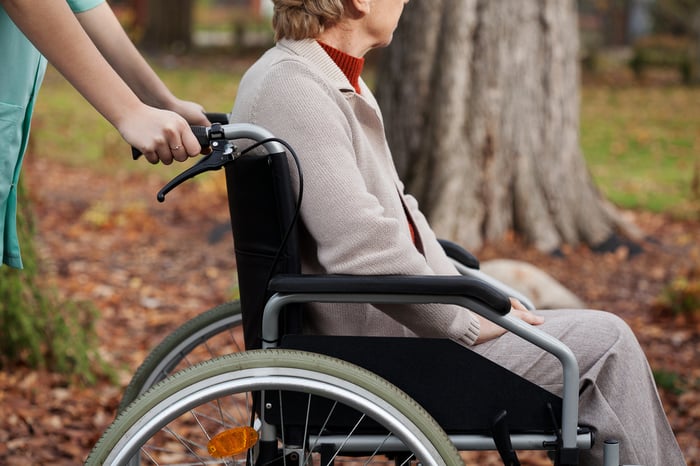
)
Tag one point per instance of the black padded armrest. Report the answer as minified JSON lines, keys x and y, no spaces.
{"x":458,"y":253}
{"x":432,"y":285}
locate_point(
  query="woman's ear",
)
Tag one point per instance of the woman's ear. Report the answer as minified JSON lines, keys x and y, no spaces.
{"x":361,"y":6}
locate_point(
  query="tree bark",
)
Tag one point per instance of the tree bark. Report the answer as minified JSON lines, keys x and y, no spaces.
{"x":481,"y":102}
{"x":168,"y":26}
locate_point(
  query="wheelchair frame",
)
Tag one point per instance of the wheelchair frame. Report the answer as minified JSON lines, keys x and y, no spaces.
{"x":571,"y":441}
{"x":476,"y":293}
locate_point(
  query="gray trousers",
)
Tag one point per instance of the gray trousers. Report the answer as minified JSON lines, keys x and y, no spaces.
{"x":617,"y":391}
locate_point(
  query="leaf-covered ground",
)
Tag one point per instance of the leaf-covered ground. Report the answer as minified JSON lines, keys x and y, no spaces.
{"x":148,"y":267}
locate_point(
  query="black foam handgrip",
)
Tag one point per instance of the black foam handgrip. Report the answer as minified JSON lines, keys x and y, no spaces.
{"x":202,"y":135}
{"x":217,"y":117}
{"x":200,"y":132}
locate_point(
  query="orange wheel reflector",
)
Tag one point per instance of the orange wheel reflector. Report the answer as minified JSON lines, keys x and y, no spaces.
{"x":232,"y":442}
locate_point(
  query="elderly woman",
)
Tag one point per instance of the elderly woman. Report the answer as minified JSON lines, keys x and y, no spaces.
{"x":357,"y":219}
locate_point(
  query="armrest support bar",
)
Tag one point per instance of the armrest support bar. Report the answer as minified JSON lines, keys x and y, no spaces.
{"x":507,"y":289}
{"x":431,"y":285}
{"x":467,"y":264}
{"x":410,"y":289}
{"x":458,"y":253}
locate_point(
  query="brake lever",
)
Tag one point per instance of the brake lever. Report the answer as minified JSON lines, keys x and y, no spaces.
{"x":222,"y":154}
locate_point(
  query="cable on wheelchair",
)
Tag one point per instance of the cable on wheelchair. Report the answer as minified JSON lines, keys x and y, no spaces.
{"x":204,"y":136}
{"x":300,"y":195}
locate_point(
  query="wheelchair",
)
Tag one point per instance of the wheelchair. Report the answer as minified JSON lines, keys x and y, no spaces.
{"x":293,"y":398}
{"x":218,"y":331}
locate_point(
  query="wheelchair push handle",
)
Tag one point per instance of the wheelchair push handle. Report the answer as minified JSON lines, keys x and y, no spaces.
{"x":200,"y":132}
{"x":219,"y":138}
{"x":215,"y":117}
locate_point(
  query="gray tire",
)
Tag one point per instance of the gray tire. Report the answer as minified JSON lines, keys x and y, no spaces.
{"x":213,"y":333}
{"x":172,"y":423}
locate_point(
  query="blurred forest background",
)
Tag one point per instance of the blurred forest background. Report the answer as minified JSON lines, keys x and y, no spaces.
{"x":127,"y":270}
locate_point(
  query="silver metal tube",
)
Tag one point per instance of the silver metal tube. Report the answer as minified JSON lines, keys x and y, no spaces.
{"x":256,"y":133}
{"x":506,"y":289}
{"x":362,"y":443}
{"x":611,"y":453}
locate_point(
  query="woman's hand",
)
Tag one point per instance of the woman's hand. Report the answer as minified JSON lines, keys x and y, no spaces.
{"x":161,"y":135}
{"x":489,"y":330}
{"x":190,"y":111}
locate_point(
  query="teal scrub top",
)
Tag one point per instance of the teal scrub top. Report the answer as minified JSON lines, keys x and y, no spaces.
{"x":21,"y":72}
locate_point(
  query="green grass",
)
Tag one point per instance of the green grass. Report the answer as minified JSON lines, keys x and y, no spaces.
{"x":641,"y":143}
{"x":669,"y":381}
{"x":642,"y":146}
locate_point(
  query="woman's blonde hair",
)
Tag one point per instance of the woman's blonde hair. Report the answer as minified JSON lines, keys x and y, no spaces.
{"x":305,"y":19}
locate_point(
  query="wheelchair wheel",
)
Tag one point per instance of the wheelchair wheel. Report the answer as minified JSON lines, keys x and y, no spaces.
{"x":214,"y":403}
{"x":213,"y":333}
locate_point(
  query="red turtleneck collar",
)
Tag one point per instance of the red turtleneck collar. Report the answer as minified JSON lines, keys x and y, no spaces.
{"x":351,"y":66}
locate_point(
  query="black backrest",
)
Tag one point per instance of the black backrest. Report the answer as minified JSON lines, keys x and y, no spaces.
{"x":262,"y":204}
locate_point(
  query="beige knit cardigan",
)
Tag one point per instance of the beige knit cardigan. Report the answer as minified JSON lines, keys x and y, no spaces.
{"x":354,"y":210}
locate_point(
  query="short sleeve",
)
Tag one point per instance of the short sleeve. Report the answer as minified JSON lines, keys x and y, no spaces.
{"x":79,"y":6}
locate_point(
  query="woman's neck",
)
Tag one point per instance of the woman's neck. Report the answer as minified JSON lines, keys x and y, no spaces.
{"x":346,"y":39}
{"x":351,"y":66}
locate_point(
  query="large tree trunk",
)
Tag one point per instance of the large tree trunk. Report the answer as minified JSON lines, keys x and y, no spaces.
{"x":481,"y":101}
{"x":168,"y":26}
